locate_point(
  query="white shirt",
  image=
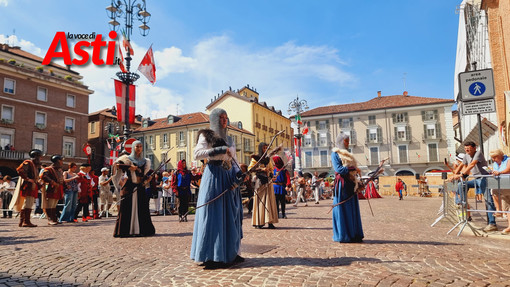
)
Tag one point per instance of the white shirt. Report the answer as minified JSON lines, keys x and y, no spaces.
{"x":203,"y":149}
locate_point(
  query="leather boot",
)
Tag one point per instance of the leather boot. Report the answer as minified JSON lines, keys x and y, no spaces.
{"x":51,"y":216}
{"x":21,"y":217}
{"x":26,"y":222}
{"x":96,"y":215}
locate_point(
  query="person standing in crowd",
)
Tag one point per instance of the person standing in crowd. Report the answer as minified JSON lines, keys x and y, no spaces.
{"x":217,"y":232}
{"x":182,"y":184}
{"x":105,"y":193}
{"x":53,"y":177}
{"x":473,"y":163}
{"x":399,"y":188}
{"x":95,"y":194}
{"x":38,"y":199}
{"x":84,"y":193}
{"x":301,"y":189}
{"x":152,"y":192}
{"x":264,"y":207}
{"x":134,"y":217}
{"x":166,"y":189}
{"x":70,"y":193}
{"x":347,"y":225}
{"x":248,"y":188}
{"x":7,"y":188}
{"x":24,"y":196}
{"x":316,"y":182}
{"x":500,"y":166}
{"x":280,"y":184}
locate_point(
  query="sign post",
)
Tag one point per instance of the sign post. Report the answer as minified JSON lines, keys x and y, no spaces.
{"x":128,"y":145}
{"x":477,"y":95}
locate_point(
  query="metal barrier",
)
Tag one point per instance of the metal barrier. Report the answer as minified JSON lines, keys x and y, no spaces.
{"x":449,"y":209}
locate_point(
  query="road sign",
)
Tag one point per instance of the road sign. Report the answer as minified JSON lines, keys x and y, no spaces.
{"x":476,"y":85}
{"x":478,"y":107}
{"x":128,"y":145}
{"x":87,"y":149}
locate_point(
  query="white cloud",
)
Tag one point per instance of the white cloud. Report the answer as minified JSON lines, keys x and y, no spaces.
{"x":25,"y":45}
{"x":4,"y":2}
{"x":187,"y":81}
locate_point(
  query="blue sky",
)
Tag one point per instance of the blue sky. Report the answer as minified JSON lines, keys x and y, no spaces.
{"x":327,"y":52}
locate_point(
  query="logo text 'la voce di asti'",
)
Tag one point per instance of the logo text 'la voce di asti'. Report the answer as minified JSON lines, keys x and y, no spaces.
{"x":81,"y":48}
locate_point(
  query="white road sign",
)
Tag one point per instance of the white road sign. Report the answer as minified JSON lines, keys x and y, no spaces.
{"x":478,"y":107}
{"x":476,"y":85}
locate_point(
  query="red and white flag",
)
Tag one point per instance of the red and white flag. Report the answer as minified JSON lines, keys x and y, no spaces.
{"x":120,"y":96}
{"x":148,"y":67}
{"x":121,"y":62}
{"x":113,"y":156}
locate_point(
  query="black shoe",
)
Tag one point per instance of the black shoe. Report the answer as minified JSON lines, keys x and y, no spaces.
{"x":238,"y":259}
{"x":210,"y":265}
{"x":271,"y":226}
{"x":284,"y":216}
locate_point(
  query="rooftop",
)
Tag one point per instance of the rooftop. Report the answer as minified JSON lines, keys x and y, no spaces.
{"x":378,"y":103}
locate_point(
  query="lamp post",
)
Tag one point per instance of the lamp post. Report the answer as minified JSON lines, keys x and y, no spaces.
{"x":298,"y":106}
{"x":129,"y":9}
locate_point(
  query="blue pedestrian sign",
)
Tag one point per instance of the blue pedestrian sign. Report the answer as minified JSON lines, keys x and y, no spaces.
{"x":477,"y":89}
{"x":476,"y":85}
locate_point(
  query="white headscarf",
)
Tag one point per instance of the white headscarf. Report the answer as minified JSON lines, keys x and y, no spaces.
{"x":340,"y":140}
{"x":139,"y":161}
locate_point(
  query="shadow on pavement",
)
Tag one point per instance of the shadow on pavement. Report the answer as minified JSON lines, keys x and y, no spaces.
{"x":22,"y":240}
{"x":184,"y":234}
{"x":365,"y":241}
{"x":292,"y":261}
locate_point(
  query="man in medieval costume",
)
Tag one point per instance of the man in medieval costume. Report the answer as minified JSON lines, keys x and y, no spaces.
{"x":27,"y":188}
{"x":53,"y":177}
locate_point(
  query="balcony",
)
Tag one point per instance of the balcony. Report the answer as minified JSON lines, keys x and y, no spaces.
{"x":264,"y":127}
{"x":426,"y":138}
{"x":398,"y":140}
{"x":271,"y":130}
{"x":13,"y":155}
{"x":258,"y":125}
{"x":373,"y":141}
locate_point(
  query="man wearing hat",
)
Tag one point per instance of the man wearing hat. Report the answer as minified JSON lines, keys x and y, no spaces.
{"x":105,"y":194}
{"x":28,"y":186}
{"x":53,"y":177}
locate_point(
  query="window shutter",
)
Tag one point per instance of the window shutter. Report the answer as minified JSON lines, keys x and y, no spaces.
{"x":425,"y":131}
{"x":368,"y":135}
{"x":436,"y":117}
{"x":406,"y":118}
{"x":396,"y":133}
{"x":161,"y":141}
{"x":185,"y":136}
{"x":379,"y":135}
{"x":394,"y":116}
{"x":353,"y":136}
{"x":318,"y":138}
{"x":327,"y":124}
{"x":317,"y":125}
{"x":438,"y":130}
{"x":408,"y":133}
{"x":340,"y":122}
{"x":423,"y":115}
{"x":177,"y":139}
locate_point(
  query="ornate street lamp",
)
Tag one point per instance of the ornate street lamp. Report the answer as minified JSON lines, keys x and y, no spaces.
{"x":129,"y":9}
{"x":298,"y":106}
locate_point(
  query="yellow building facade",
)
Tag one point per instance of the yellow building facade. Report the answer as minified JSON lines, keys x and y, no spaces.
{"x":257,"y":117}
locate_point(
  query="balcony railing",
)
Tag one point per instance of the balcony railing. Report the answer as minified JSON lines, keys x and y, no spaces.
{"x":258,"y":125}
{"x":271,"y":130}
{"x":13,"y":155}
{"x":264,"y":127}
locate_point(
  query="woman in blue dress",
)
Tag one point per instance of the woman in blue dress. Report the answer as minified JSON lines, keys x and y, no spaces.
{"x":346,"y":215}
{"x":217,"y":231}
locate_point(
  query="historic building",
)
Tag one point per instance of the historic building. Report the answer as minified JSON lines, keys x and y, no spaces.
{"x":498,"y":23}
{"x":414,"y":133}
{"x":43,"y":107}
{"x":105,"y":135}
{"x":175,"y":137}
{"x":255,"y":116}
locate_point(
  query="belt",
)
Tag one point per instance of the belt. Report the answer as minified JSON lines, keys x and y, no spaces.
{"x":215,"y":162}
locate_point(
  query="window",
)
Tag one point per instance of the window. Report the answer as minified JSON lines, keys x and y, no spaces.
{"x":372,"y":135}
{"x":429,"y":115}
{"x":323,"y":139}
{"x":40,"y":119}
{"x":430,"y":131}
{"x":371,"y":120}
{"x":399,"y":118}
{"x":402,"y":133}
{"x":346,"y":123}
{"x":69,"y":124}
{"x":182,"y":139}
{"x":324,"y":158}
{"x":247,"y":145}
{"x":151,"y":158}
{"x":433,"y":156}
{"x":42,"y":94}
{"x":322,"y":125}
{"x":165,"y":140}
{"x":7,"y":114}
{"x":39,"y":141}
{"x":352,"y":137}
{"x":92,"y":127}
{"x":68,"y":147}
{"x":151,"y":141}
{"x":402,"y":153}
{"x":181,"y":155}
{"x":9,"y":86}
{"x":308,"y":159}
{"x":308,"y":140}
{"x":5,"y":139}
{"x":70,"y":101}
{"x":374,"y":156}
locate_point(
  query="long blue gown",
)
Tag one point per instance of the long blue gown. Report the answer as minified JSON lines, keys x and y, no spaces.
{"x":346,"y":217}
{"x":217,"y":232}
